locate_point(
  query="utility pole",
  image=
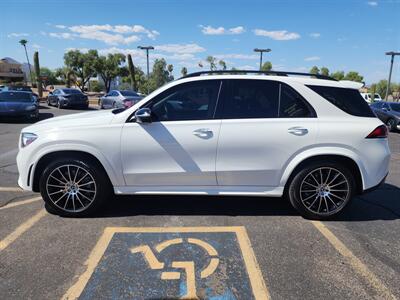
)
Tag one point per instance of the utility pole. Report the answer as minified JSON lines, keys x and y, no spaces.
{"x":147,"y":48}
{"x":261,"y":54}
{"x":392,"y":54}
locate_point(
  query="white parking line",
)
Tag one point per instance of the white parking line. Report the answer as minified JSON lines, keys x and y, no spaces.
{"x":22,"y":202}
{"x":382,"y":290}
{"x":9,"y":239}
{"x":10,"y":189}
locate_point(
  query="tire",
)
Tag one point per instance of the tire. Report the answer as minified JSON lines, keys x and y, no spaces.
{"x":59,"y":106}
{"x":48,"y":102}
{"x":74,"y":187}
{"x":391,"y":124}
{"x":114,"y":106}
{"x":317,"y":201}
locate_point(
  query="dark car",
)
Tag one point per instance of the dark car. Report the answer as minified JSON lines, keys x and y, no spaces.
{"x":119,"y":99}
{"x":18,"y":104}
{"x":388,"y":113}
{"x":68,"y":98}
{"x":22,"y":89}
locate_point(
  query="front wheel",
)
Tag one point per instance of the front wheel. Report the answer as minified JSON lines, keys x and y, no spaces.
{"x":74,"y":187}
{"x":321,"y":190}
{"x":391,"y":124}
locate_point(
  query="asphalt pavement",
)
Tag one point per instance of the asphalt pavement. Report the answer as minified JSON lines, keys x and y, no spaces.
{"x":159,"y":247}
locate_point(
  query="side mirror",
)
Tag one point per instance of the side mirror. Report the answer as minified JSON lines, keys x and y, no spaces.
{"x":143,"y":115}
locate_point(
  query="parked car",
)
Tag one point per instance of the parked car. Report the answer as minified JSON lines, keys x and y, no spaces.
{"x":389,"y":113}
{"x":309,"y":139}
{"x":119,"y":99}
{"x":22,"y":89}
{"x":68,"y":97}
{"x":368,"y":97}
{"x":18,"y":104}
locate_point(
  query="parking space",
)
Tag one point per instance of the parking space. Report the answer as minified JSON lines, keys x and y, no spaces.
{"x":149,"y":247}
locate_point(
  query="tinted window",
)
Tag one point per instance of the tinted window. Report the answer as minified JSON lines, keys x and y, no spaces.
{"x":292,"y":105}
{"x":376,"y":105}
{"x":395,"y":106}
{"x":128,"y":93}
{"x":15,"y":97}
{"x":348,"y":100}
{"x":188,"y":101}
{"x":71,"y":91}
{"x":251,"y":99}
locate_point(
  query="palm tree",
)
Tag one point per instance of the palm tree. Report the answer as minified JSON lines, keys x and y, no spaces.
{"x":23,"y":43}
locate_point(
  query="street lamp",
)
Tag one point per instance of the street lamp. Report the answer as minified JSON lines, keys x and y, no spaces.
{"x":392,"y":54}
{"x":261,"y":54}
{"x":147,"y":48}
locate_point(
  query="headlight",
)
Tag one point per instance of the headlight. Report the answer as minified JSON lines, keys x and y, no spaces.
{"x":30,"y":107}
{"x":27,"y":138}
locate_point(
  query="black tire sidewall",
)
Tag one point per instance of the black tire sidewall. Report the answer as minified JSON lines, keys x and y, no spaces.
{"x":101,"y":181}
{"x":295,"y":184}
{"x":391,"y":126}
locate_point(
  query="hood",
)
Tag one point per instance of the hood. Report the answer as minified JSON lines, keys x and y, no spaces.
{"x":72,"y":121}
{"x":14,"y":106}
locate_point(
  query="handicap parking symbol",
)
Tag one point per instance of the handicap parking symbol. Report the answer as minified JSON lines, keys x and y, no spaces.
{"x":171,"y":263}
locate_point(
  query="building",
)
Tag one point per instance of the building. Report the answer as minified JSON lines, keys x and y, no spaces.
{"x":11,"y":70}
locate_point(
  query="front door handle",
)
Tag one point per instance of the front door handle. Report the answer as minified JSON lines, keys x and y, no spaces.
{"x":297,"y":130}
{"x":203,"y":133}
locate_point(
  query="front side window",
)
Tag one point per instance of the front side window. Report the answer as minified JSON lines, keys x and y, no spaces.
{"x":251,"y":99}
{"x":395,"y":106}
{"x":187,"y":101}
{"x":348,"y":100}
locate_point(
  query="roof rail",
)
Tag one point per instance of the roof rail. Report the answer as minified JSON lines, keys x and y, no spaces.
{"x":276,"y":73}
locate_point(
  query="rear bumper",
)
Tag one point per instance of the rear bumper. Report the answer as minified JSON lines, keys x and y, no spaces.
{"x":371,"y":189}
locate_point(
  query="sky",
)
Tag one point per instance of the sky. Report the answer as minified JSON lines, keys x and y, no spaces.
{"x":340,"y":35}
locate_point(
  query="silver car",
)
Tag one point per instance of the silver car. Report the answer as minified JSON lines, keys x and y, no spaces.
{"x":119,"y":99}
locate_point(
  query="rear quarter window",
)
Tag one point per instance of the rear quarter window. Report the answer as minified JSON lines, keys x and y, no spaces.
{"x":348,"y":100}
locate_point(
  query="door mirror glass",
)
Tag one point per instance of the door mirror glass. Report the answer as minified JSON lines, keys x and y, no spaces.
{"x":143,"y":115}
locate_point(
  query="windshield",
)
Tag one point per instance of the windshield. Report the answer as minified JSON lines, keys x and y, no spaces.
{"x":395,"y":106}
{"x":15,"y":97}
{"x":71,"y":91}
{"x":129,"y":93}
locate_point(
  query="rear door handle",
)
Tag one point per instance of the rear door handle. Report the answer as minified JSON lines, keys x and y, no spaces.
{"x":297,"y":130}
{"x":203,"y":132}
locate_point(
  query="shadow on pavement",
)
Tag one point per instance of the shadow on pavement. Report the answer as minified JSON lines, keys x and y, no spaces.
{"x":382,"y":204}
{"x":22,"y":120}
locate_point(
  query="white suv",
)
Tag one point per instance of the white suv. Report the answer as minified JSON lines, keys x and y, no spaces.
{"x":313,"y":140}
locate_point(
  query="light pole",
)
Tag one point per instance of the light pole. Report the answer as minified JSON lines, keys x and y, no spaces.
{"x":261,"y":54}
{"x":392,"y":54}
{"x":147,"y":48}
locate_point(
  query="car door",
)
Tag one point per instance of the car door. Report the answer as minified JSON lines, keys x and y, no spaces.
{"x":52,"y":97}
{"x":385,"y":112}
{"x":179,"y":147}
{"x":265,"y":123}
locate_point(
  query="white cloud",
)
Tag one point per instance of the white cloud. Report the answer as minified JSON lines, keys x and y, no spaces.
{"x":372,"y":3}
{"x":83,"y":50}
{"x":209,"y":30}
{"x":36,"y":46}
{"x":312,"y":58}
{"x":43,"y":33}
{"x":61,"y":26}
{"x":315,"y":35}
{"x":16,"y":34}
{"x":236,"y":56}
{"x":62,"y":35}
{"x":180,"y":48}
{"x":280,"y":35}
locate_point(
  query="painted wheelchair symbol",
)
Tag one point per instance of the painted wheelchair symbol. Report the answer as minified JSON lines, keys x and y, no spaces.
{"x":187,"y":266}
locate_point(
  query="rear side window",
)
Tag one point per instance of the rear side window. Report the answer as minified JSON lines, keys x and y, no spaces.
{"x":292,"y":105}
{"x":348,"y":100}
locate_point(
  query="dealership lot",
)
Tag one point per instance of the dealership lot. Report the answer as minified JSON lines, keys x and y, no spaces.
{"x":276,"y":252}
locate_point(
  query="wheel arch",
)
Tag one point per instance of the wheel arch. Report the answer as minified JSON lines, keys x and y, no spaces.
{"x":340,"y":158}
{"x":46,"y":158}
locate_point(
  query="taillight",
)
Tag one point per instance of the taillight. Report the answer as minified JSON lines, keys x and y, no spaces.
{"x":379,"y":132}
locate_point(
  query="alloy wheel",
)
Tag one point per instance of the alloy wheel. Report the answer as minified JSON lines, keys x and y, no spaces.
{"x":324,"y":191}
{"x":71,"y":188}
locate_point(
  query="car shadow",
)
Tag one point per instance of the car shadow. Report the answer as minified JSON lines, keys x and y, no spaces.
{"x":381,"y":204}
{"x":20,"y":120}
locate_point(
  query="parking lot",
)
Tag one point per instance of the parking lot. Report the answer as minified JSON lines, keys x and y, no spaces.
{"x":224,"y":247}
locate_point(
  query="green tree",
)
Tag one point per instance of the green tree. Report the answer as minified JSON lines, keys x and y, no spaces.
{"x":267,"y":66}
{"x":314,"y":70}
{"x":83,"y":65}
{"x":222,"y":64}
{"x":159,"y":76}
{"x":184,"y":71}
{"x":212,"y":61}
{"x":23,"y":42}
{"x":131,"y":68}
{"x":353,"y":76}
{"x":381,"y":87}
{"x":338,"y":75}
{"x":324,"y":71}
{"x":37,"y":72}
{"x":109,"y":67}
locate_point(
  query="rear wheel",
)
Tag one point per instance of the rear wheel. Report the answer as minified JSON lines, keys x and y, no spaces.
{"x":321,"y":190}
{"x":74,"y":187}
{"x":391,"y":124}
